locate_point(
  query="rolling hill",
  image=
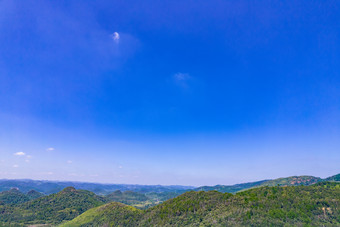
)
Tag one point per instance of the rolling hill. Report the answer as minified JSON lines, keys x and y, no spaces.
{"x":54,"y":208}
{"x":314,"y":205}
{"x":286,"y":181}
{"x":231,"y":188}
{"x":334,"y":178}
{"x":13,"y":196}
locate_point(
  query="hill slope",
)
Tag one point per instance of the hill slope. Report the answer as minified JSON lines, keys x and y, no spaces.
{"x":334,"y":178}
{"x":314,"y":205}
{"x":292,"y":181}
{"x":53,"y":209}
{"x":230,"y":188}
{"x":112,"y":214}
{"x":13,"y":196}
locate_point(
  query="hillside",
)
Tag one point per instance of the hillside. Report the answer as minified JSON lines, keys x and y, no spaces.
{"x":55,"y":208}
{"x":13,"y":196}
{"x":114,"y":214}
{"x":292,"y":181}
{"x":334,"y":178}
{"x":33,"y":194}
{"x":286,"y":181}
{"x":314,"y":205}
{"x":231,"y":188}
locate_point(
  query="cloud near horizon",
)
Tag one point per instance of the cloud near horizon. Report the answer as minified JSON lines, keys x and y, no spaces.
{"x":115,"y":36}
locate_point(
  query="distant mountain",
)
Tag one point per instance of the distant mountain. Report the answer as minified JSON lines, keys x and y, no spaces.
{"x":292,"y":181}
{"x":314,"y":205}
{"x":53,"y":209}
{"x":287,"y":181}
{"x":230,"y":188}
{"x":49,"y":187}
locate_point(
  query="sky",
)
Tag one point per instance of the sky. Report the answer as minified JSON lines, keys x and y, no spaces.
{"x":169,"y":92}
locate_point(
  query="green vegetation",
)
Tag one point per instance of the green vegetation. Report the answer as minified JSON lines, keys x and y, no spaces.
{"x":55,"y":208}
{"x":280,"y":202}
{"x":116,"y":214}
{"x":13,"y":196}
{"x":334,"y":178}
{"x":127,"y":197}
{"x":315,"y":205}
{"x":140,"y":200}
{"x":287,"y":181}
{"x":292,"y":181}
{"x":231,"y":188}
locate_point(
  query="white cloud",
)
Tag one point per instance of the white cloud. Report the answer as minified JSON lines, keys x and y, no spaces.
{"x":115,"y":36}
{"x":69,"y":162}
{"x":120,"y":167}
{"x":182,"y":76}
{"x":15,"y":166}
{"x":50,"y":149}
{"x":20,"y":153}
{"x":182,"y":79}
{"x":27,"y":160}
{"x":28,"y":156}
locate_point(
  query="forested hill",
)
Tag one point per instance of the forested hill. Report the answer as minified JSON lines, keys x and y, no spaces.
{"x":54,"y":208}
{"x":333,"y":178}
{"x":287,"y":181}
{"x":314,"y":205}
{"x":14,"y":196}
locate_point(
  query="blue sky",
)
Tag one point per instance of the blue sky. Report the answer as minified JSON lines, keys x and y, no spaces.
{"x":169,"y":92}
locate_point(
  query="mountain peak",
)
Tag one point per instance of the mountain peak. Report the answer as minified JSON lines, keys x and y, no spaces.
{"x":69,"y":189}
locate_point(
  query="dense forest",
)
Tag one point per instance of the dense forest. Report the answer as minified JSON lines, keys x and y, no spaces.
{"x":316,"y":205}
{"x":301,"y":201}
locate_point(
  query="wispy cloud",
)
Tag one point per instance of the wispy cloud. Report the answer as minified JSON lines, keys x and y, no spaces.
{"x":15,"y":166}
{"x":181,"y":79}
{"x":20,"y":153}
{"x":69,"y":162}
{"x":182,"y":76}
{"x":50,"y":149}
{"x":115,"y":36}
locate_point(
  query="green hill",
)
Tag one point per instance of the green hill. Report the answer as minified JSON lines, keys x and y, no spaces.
{"x":292,"y":181}
{"x":230,"y":188}
{"x":53,"y":208}
{"x":314,"y":205}
{"x":13,"y":196}
{"x":287,"y":181}
{"x":33,"y":194}
{"x":333,"y":178}
{"x":112,"y":214}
